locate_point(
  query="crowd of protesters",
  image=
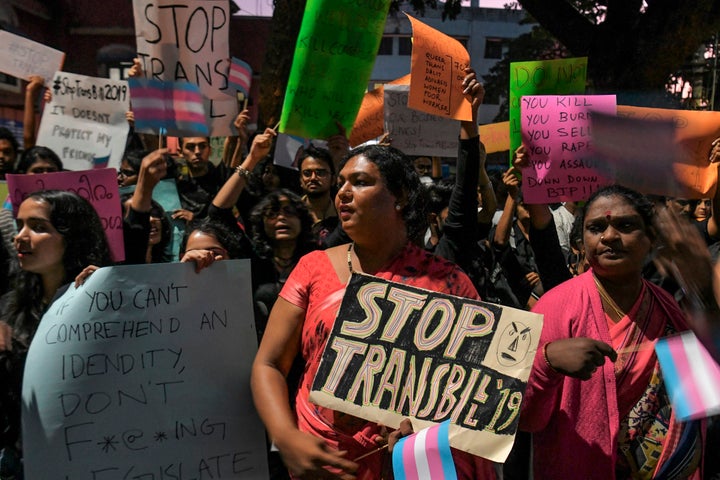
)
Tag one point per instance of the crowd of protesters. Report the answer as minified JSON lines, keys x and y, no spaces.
{"x":593,"y":270}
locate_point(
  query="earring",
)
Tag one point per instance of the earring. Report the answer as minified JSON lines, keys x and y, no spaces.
{"x":398,"y":207}
{"x":602,"y":237}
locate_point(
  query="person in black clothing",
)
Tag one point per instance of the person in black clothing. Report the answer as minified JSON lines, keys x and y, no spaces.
{"x":203,"y":179}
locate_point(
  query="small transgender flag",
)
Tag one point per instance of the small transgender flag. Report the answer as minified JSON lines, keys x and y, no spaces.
{"x":692,"y":377}
{"x":425,"y":455}
{"x":101,"y":162}
{"x":175,"y":106}
{"x":240,"y":76}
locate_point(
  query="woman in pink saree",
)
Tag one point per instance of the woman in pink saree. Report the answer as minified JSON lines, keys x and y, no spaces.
{"x":595,"y":401}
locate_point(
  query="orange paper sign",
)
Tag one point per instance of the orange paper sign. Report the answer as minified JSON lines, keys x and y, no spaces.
{"x":695,"y":132}
{"x":369,"y":121}
{"x":437,"y":70}
{"x":495,"y":137}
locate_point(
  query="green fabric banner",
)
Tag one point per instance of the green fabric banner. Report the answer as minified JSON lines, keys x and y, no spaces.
{"x":566,"y":76}
{"x":334,"y":57}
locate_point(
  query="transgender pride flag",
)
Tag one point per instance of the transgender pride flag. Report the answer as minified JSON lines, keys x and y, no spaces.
{"x":692,"y":377}
{"x":175,"y":106}
{"x":425,"y":455}
{"x":240,"y":76}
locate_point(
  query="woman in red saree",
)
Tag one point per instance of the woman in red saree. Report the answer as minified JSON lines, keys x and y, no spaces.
{"x":593,"y":418}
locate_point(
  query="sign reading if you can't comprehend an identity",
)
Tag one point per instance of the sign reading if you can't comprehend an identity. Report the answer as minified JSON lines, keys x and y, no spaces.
{"x":144,"y":372}
{"x":398,"y":351}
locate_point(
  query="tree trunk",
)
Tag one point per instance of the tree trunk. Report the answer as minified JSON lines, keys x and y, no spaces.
{"x":286,"y":21}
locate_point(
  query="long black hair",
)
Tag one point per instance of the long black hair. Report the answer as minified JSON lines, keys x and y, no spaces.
{"x":85,"y":244}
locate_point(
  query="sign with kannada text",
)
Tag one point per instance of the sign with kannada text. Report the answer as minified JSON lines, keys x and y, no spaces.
{"x":99,"y":187}
{"x":85,"y":121}
{"x":333,"y":60}
{"x":144,"y":372}
{"x":415,"y":132}
{"x":556,"y":134}
{"x":188,"y":40}
{"x":565,"y":76}
{"x":397,"y":351}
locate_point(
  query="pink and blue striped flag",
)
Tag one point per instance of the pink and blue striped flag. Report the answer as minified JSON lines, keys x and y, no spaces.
{"x":692,"y":377}
{"x":175,"y":106}
{"x":240,"y":76}
{"x":425,"y":455}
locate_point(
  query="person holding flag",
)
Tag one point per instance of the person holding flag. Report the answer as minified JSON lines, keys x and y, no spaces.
{"x":594,"y":418}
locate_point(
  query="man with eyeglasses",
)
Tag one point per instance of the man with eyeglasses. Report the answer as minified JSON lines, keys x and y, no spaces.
{"x":317,"y":179}
{"x":203,"y":179}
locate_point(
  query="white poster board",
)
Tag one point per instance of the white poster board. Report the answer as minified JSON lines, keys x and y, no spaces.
{"x":85,"y":122}
{"x":188,"y":40}
{"x":23,"y":58}
{"x":415,"y":132}
{"x":144,"y":372}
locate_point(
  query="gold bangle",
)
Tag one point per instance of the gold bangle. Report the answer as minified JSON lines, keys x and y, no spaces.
{"x":242,"y":172}
{"x":547,"y":362}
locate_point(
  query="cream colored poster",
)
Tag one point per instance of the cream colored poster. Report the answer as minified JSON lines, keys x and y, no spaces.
{"x":144,"y":372}
{"x":400,"y":352}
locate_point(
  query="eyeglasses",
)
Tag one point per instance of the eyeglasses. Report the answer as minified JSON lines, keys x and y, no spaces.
{"x":287,"y":211}
{"x":126,"y":173}
{"x":193,"y":146}
{"x":424,"y":168}
{"x":319,"y":172}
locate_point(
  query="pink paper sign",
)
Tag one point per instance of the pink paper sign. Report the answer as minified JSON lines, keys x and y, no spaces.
{"x":99,"y":187}
{"x":556,"y":133}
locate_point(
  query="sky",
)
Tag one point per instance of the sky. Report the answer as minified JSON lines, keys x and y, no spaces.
{"x":263,"y":8}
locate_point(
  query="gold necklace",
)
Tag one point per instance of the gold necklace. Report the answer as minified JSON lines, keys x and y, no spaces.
{"x":349,"y":257}
{"x":608,"y":300}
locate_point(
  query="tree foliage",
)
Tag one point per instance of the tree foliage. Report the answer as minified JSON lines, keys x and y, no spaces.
{"x":537,"y":44}
{"x":632,"y":45}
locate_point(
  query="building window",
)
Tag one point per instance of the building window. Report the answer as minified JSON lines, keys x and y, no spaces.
{"x":9,"y":83}
{"x":494,"y":47}
{"x":386,"y":46}
{"x":404,"y":46}
{"x":120,"y":71}
{"x":463,"y":41}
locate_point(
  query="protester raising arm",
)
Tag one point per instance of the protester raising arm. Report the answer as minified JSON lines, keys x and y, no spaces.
{"x":543,"y":236}
{"x":234,"y":146}
{"x":230,"y":191}
{"x":460,"y":226}
{"x":33,"y":88}
{"x":136,"y":225}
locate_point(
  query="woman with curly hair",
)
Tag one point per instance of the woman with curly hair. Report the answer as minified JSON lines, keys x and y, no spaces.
{"x":281,"y":232}
{"x":59,"y":235}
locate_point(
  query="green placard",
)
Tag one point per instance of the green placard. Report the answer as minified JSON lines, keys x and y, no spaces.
{"x":334,"y":57}
{"x":566,"y":76}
